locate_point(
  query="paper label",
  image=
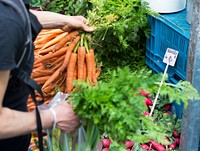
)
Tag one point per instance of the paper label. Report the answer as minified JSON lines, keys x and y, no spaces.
{"x":170,"y":56}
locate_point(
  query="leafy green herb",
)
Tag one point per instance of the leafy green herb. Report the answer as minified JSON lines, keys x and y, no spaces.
{"x":116,"y":107}
{"x":120,"y":31}
{"x":68,"y":7}
{"x":36,"y":3}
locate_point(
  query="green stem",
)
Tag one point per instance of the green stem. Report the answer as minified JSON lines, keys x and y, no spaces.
{"x":86,"y":45}
{"x":104,"y":35}
{"x":82,"y":39}
{"x":76,"y":48}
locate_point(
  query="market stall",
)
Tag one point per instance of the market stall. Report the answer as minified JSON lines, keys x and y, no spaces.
{"x":123,"y":98}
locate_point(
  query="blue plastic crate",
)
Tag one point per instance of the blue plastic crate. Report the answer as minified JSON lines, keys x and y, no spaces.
{"x":168,"y":31}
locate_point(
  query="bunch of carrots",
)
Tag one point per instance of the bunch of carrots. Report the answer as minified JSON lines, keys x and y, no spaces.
{"x":60,"y":59}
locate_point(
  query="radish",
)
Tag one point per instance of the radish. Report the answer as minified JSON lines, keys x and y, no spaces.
{"x":105,"y":149}
{"x":167,"y":112}
{"x":158,"y":146}
{"x":106,"y":143}
{"x":128,"y":149}
{"x":167,"y":107}
{"x":144,"y":93}
{"x":176,"y":134}
{"x":146,"y":113}
{"x":148,"y":101}
{"x":145,"y":146}
{"x":129,"y":144}
{"x":177,"y":141}
{"x":172,"y":146}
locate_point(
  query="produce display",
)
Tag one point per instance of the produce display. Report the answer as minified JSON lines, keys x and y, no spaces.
{"x":110,"y":88}
{"x":60,"y":59}
{"x":121,"y":106}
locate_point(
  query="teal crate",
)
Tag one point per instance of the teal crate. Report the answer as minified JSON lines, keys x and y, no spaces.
{"x":168,"y":31}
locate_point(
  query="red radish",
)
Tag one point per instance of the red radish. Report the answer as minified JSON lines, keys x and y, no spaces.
{"x":128,"y":149}
{"x":144,"y":93}
{"x":105,"y":149}
{"x":146,"y":113}
{"x":176,"y":134}
{"x":167,"y":107}
{"x":167,"y":112}
{"x":172,"y":146}
{"x":177,"y":141}
{"x":106,"y":143}
{"x":129,"y":144}
{"x":148,"y":101}
{"x":158,"y":146}
{"x":145,"y":146}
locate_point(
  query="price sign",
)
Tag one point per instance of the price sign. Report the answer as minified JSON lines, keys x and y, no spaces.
{"x":170,"y":56}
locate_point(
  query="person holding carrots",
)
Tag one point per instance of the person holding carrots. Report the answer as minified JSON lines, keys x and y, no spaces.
{"x":16,"y":123}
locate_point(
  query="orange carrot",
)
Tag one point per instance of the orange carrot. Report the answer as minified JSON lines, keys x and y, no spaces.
{"x":81,"y":60}
{"x":89,"y":62}
{"x":89,"y":66}
{"x":41,"y":67}
{"x":46,"y":50}
{"x":65,"y":39}
{"x":51,"y":31}
{"x":76,"y":72}
{"x":42,"y":72}
{"x":60,"y":81}
{"x":61,"y":59}
{"x":94,"y":80}
{"x":42,"y":79}
{"x":37,"y":56}
{"x":68,"y":53}
{"x":52,"y":78}
{"x":36,"y":75}
{"x":48,"y":89}
{"x":98,"y":71}
{"x":38,"y":65}
{"x":70,"y":72}
{"x":62,"y":88}
{"x":60,"y":52}
{"x":39,"y":46}
{"x":58,"y":65}
{"x":54,"y":41}
{"x":45,"y":38}
{"x":84,"y":71}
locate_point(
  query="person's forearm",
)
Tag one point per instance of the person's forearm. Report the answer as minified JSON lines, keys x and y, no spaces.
{"x":67,"y":23}
{"x":15,"y":123}
{"x":50,"y":19}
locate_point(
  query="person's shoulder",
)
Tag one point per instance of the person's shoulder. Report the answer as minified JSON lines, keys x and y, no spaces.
{"x":9,"y":15}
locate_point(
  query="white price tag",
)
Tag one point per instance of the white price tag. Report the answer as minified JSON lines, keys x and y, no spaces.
{"x":170,"y":56}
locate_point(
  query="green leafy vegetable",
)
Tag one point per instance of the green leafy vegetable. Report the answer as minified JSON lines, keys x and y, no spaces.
{"x":117,"y":106}
{"x":67,"y":7}
{"x":120,"y":31}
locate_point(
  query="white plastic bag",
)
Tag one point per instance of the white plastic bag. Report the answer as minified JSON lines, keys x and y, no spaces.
{"x":58,"y":98}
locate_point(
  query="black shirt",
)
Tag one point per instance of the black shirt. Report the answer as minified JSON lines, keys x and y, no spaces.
{"x":12,"y":39}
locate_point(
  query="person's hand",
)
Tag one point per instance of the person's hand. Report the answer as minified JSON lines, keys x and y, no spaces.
{"x":66,"y":119}
{"x":51,"y":20}
{"x":76,"y":22}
